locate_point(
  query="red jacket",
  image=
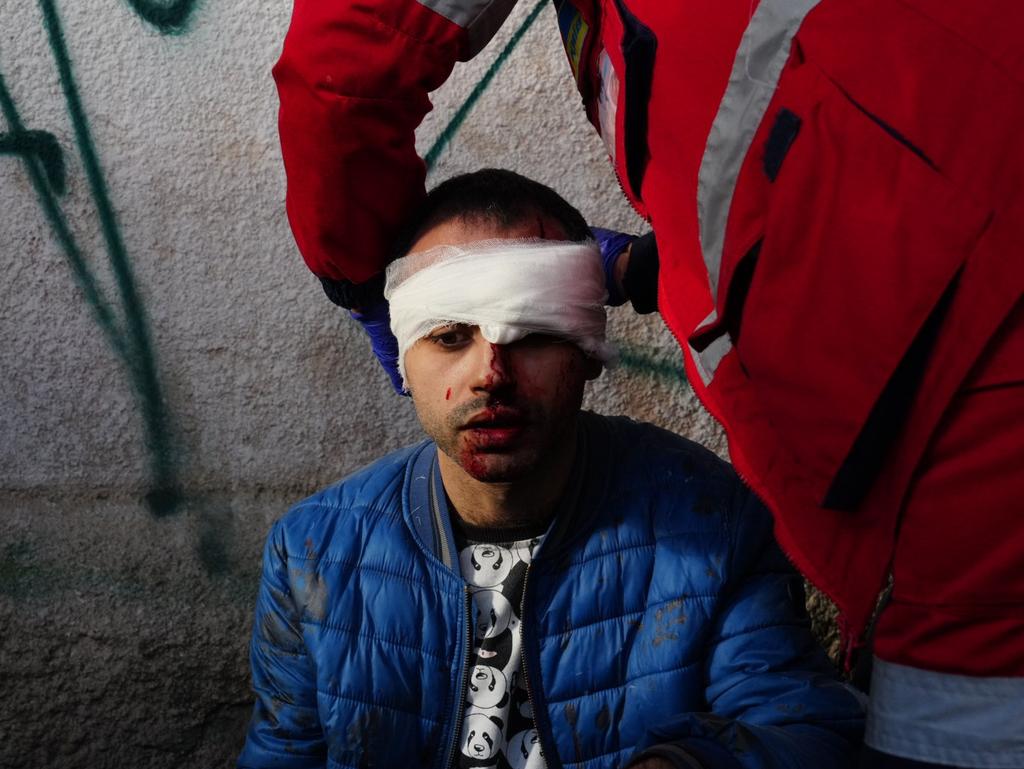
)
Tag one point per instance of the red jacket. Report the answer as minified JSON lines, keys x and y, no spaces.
{"x":834,"y":212}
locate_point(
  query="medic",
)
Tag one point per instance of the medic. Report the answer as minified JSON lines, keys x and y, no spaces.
{"x":835,"y":191}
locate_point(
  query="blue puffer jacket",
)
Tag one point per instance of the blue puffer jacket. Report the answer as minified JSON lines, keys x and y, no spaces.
{"x":657,"y":610}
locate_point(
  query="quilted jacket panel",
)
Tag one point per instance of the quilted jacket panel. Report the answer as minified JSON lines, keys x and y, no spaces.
{"x":657,"y":610}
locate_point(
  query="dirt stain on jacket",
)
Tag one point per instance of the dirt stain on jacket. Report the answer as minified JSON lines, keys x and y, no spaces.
{"x":573,"y":717}
{"x":665,"y":621}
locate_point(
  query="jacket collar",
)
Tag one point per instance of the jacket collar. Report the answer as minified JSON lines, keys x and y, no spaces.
{"x":429,"y":516}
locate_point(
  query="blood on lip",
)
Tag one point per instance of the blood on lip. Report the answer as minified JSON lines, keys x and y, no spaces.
{"x":473,"y":463}
{"x":484,"y":439}
{"x":496,"y":418}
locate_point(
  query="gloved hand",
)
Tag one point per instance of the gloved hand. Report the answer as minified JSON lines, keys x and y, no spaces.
{"x":612,"y":244}
{"x":376,"y":322}
{"x":630,"y":268}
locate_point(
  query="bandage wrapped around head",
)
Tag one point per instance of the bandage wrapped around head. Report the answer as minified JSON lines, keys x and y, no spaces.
{"x":508,"y":288}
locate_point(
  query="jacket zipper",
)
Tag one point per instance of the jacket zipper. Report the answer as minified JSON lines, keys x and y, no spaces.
{"x":463,"y":681}
{"x":629,"y":198}
{"x":522,"y":661}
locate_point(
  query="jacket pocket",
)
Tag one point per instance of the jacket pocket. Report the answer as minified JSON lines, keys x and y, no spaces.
{"x":863,"y":243}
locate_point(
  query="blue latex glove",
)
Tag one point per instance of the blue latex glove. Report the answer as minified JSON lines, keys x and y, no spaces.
{"x":612,"y":245}
{"x":376,"y":322}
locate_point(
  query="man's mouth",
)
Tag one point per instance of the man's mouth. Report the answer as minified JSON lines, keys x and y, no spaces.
{"x":495,"y":428}
{"x":496,"y":418}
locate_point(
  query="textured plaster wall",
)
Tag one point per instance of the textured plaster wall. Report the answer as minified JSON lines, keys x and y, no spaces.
{"x":173,"y":377}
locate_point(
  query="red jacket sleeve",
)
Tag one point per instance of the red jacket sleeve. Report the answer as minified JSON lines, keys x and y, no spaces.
{"x":353,"y":80}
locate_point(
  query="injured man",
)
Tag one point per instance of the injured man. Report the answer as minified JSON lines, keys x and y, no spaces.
{"x":533,"y":585}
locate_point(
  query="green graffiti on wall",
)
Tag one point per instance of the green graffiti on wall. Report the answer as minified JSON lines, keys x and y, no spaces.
{"x":640,"y":362}
{"x":122,"y":318}
{"x":169,"y":17}
{"x":455,"y":123}
{"x":127,"y":332}
{"x":42,"y":146}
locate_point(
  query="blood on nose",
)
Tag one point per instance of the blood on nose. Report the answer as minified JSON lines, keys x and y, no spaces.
{"x":499,"y":365}
{"x":495,"y":370}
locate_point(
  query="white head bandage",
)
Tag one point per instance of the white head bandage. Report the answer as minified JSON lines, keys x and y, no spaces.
{"x":509,"y":288}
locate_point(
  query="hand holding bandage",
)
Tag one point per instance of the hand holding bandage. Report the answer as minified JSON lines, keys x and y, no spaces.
{"x":508,"y":288}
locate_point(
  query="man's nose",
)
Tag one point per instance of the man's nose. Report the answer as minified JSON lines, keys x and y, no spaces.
{"x":494,"y":369}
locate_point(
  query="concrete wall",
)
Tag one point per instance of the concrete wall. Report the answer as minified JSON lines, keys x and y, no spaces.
{"x":173,"y":377}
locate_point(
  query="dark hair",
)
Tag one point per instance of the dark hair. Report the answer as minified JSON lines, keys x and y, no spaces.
{"x":491,"y":195}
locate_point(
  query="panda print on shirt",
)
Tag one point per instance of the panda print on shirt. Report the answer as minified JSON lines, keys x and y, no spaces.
{"x":485,"y":565}
{"x":484,"y":739}
{"x":488,"y":687}
{"x":497,"y":729}
{"x":524,"y":752}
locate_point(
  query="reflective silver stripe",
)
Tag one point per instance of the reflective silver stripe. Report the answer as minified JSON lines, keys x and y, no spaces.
{"x":943,"y":718}
{"x":708,"y":359}
{"x":480,"y":18}
{"x":760,"y":58}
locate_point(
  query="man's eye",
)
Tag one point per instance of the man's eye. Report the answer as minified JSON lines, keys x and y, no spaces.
{"x":450,"y":337}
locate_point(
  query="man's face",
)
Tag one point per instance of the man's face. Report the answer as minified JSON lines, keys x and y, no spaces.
{"x":497,"y":411}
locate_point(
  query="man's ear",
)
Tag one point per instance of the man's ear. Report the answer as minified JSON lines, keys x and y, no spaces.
{"x":592,"y":368}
